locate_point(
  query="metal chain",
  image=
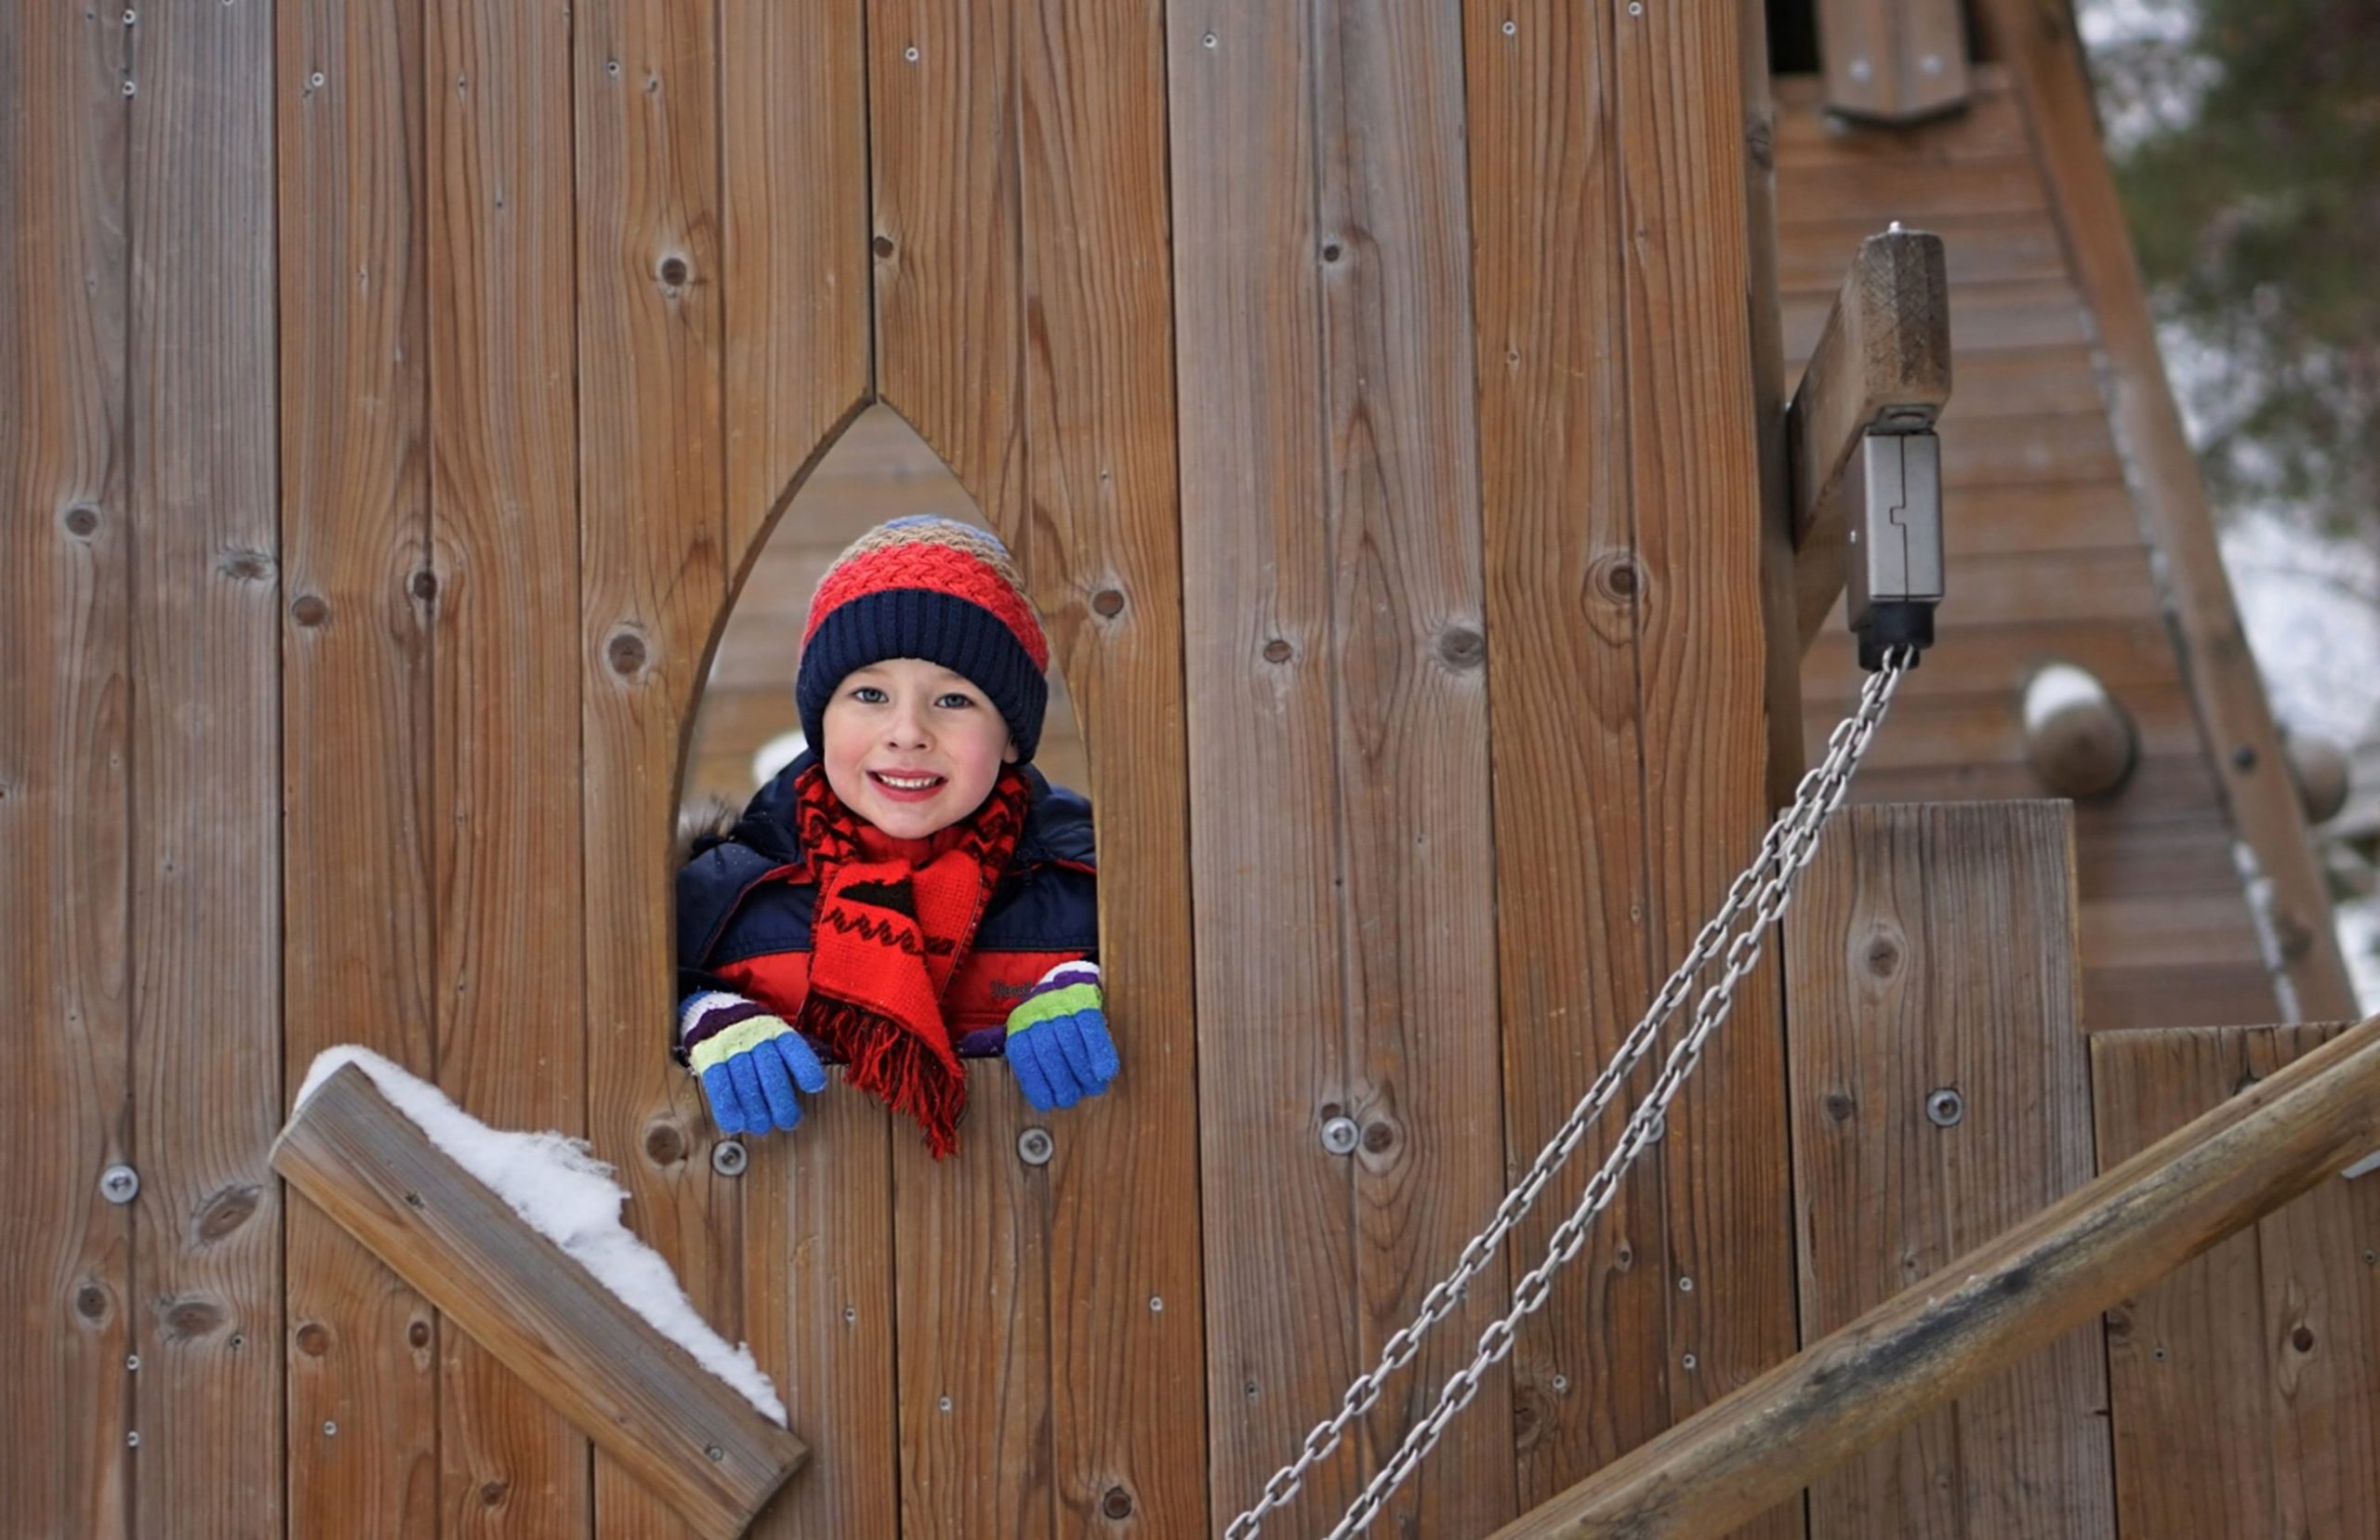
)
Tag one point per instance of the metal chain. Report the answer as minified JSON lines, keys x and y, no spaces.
{"x":1784,"y":851}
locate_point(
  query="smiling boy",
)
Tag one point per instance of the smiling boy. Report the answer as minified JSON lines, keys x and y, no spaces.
{"x":909,"y":893}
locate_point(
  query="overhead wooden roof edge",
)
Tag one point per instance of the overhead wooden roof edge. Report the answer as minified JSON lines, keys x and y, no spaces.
{"x":2043,"y":59}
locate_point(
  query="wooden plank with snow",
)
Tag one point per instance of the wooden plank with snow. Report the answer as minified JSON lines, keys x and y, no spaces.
{"x":1884,"y":355}
{"x":642,"y":1397}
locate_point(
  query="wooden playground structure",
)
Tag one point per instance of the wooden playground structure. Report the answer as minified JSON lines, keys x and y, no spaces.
{"x":1388,"y":403}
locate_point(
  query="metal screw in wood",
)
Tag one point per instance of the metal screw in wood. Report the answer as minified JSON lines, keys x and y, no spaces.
{"x":1338,"y":1136}
{"x":1034,"y":1146}
{"x":1945,"y":1107}
{"x":1766,"y":888}
{"x":728,"y":1157}
{"x":119,"y":1184}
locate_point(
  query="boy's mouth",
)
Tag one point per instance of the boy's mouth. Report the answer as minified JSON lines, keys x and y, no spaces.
{"x":902,"y":787}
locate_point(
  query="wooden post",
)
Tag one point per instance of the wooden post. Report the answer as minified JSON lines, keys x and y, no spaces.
{"x":659,"y":1416}
{"x":2001,"y":1301}
{"x":2078,"y":737}
{"x":1884,"y":359}
{"x":1893,"y":61}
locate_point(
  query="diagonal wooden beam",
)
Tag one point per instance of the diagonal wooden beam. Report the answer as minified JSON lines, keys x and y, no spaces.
{"x":2019,"y":1292}
{"x":643,"y":1399}
{"x":1882,"y":361}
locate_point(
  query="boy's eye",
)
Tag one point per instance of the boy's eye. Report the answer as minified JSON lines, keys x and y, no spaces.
{"x":868,"y":694}
{"x":955,"y":698}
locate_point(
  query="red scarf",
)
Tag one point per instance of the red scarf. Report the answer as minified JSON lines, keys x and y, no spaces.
{"x":894,"y":920}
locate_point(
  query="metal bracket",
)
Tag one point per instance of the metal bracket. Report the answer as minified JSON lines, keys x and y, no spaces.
{"x":1895,"y":577}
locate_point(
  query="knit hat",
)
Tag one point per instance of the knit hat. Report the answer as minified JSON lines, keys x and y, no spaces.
{"x":931,"y":587}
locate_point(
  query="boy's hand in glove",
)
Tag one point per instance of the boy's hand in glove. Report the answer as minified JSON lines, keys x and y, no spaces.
{"x":748,"y":1060}
{"x":1057,"y":1038}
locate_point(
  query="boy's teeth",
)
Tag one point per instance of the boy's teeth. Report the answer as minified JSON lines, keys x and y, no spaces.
{"x":908,"y":783}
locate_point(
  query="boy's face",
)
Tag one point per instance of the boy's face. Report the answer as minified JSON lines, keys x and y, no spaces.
{"x":911,"y":746}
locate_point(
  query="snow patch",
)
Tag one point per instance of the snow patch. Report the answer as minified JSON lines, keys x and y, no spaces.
{"x":555,"y":1183}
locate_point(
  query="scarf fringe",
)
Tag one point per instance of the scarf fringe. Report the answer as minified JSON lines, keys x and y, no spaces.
{"x":896,"y":1067}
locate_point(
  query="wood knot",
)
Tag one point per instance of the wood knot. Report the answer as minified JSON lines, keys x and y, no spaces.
{"x":1108,"y":603}
{"x":309,"y":611}
{"x":227,"y":1211}
{"x":82,"y":521}
{"x":417,"y":1334}
{"x":313,"y":1339}
{"x":1839,"y":1106}
{"x":91,"y":1302}
{"x":492,"y":1494}
{"x":1332,"y":251}
{"x":665,"y":1144}
{"x":1614,"y":578}
{"x":189,"y":1319}
{"x":1279,"y":651}
{"x":1116,"y":1504}
{"x":1883,"y":955}
{"x":882,"y":247}
{"x":625,"y":651}
{"x":1533,"y":1412}
{"x":2302,"y":1339}
{"x":1760,"y":146}
{"x":1461,"y":647}
{"x":1379,"y":1137}
{"x":425,"y":586}
{"x":245,"y":564}
{"x":674,"y":272}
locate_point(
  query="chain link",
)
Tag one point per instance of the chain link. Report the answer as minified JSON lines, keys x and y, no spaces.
{"x":1786,"y":849}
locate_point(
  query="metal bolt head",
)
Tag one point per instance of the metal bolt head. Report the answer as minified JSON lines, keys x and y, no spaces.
{"x":1690,"y":1362}
{"x":910,"y":53}
{"x":132,"y":1439}
{"x":1338,"y":1136}
{"x":714,"y":1452}
{"x":330,"y":1428}
{"x":1931,"y":64}
{"x":1686,"y":1285}
{"x":1862,"y":72}
{"x":1510,"y":27}
{"x":728,"y":1157}
{"x":1945,"y":1107}
{"x":119,"y":1184}
{"x":1156,"y":1305}
{"x":1561,"y":1384}
{"x":1035,"y":1147}
{"x":132,"y":1362}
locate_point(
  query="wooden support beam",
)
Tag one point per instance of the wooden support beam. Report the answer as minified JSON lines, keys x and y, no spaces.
{"x":643,"y":1399}
{"x":2006,"y":1298}
{"x":1883,"y":360}
{"x":1893,"y":61}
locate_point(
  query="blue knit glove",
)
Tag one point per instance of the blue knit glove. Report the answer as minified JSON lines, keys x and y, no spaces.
{"x":748,"y":1061}
{"x":1057,"y":1038}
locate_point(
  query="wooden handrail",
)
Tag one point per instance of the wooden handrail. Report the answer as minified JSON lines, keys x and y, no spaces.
{"x":1883,"y":360}
{"x":2017,"y":1293}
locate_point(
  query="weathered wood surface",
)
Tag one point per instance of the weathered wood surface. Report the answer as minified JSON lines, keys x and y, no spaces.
{"x":1883,"y":360}
{"x":1934,"y":948}
{"x":1562,"y":582}
{"x":653,"y":1411}
{"x":2045,"y":60}
{"x":67,"y":1291}
{"x":1334,"y":598}
{"x":1701,"y":641}
{"x":1893,"y":61}
{"x":1102,"y":548}
{"x":204,"y":702}
{"x":507,"y":871}
{"x":1985,"y":1311}
{"x":2247,"y":1383}
{"x":360,"y":595}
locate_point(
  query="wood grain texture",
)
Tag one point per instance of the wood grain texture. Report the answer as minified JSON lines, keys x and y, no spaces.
{"x":1899,"y":984}
{"x":652,"y":1407}
{"x":1274,"y":1063}
{"x":815,"y":1275}
{"x":1701,"y":641}
{"x":972,"y":1233}
{"x":1103,"y":545}
{"x":1893,"y":61}
{"x":2244,"y":1383}
{"x":2017,"y":1293}
{"x":68,"y":1291}
{"x":1589,"y":1371}
{"x":206,"y":837}
{"x":654,"y":545}
{"x":506,"y":868}
{"x":356,"y":763}
{"x":2044,"y":59}
{"x":1882,"y":357}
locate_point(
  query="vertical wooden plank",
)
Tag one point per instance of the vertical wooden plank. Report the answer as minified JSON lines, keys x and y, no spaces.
{"x":652,"y":547}
{"x":1897,"y":972}
{"x":794,"y":259}
{"x":505,"y":531}
{"x":1893,"y":59}
{"x":67,"y":1291}
{"x":1589,"y":1370}
{"x":971,"y":1235}
{"x":2190,"y":1399}
{"x":1102,"y":543}
{"x":356,"y":702}
{"x":1409,"y":657}
{"x":1273,"y":1070}
{"x":205,"y":850}
{"x":1694,"y":479}
{"x":817,"y":1265}
{"x":2244,"y":1395}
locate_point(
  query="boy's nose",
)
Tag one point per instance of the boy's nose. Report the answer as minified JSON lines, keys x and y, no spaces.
{"x":906,"y":730}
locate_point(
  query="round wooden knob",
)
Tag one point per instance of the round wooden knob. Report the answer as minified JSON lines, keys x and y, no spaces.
{"x":2079,"y":740}
{"x":2320,"y":770}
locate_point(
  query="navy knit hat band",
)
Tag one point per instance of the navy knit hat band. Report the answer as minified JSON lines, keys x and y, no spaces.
{"x":939,"y":627}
